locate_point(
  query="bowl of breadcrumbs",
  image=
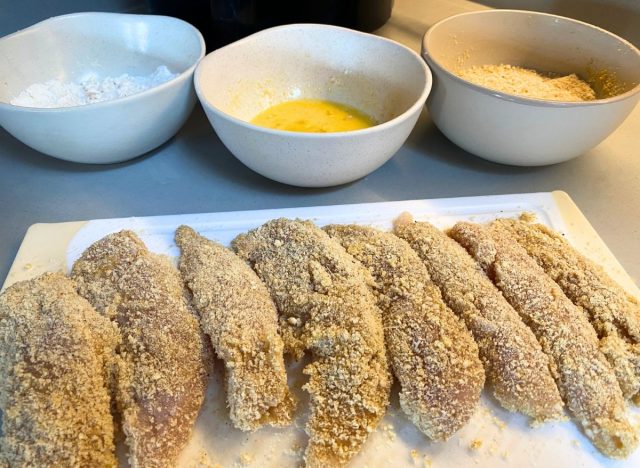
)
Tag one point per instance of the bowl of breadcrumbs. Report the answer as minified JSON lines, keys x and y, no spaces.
{"x":528,"y":89}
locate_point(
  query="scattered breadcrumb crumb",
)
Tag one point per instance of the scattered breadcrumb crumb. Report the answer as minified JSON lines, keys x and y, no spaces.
{"x":246,"y":458}
{"x":498,"y":422}
{"x":203,"y":461}
{"x":388,"y":431}
{"x":527,"y":217}
{"x":476,"y":444}
{"x":295,"y":451}
{"x":493,"y":447}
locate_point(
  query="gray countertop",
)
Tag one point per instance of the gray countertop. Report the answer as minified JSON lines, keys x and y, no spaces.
{"x":193,"y":172}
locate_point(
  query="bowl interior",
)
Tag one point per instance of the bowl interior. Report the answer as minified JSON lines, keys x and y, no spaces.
{"x":543,"y":42}
{"x":68,"y":48}
{"x":376,"y":76}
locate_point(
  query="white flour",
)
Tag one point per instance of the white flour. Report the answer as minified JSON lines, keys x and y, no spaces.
{"x":55,"y":93}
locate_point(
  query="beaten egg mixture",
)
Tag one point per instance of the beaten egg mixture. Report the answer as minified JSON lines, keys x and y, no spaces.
{"x":313,"y":115}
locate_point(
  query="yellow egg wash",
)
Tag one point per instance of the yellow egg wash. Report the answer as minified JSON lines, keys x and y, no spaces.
{"x":314,"y":116}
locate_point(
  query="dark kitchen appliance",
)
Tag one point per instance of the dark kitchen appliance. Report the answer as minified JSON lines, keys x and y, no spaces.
{"x":224,"y":21}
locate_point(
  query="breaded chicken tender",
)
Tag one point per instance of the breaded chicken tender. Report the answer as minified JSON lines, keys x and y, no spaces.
{"x":614,"y":314}
{"x":56,"y":365}
{"x":432,"y":353}
{"x":165,"y":358}
{"x":239,"y":316}
{"x":326,"y":307}
{"x":514,"y":362}
{"x":585,"y":378}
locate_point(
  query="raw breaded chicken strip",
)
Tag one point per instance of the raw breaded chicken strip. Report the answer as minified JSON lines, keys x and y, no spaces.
{"x":238,"y":314}
{"x":585,"y":378}
{"x":56,"y":363}
{"x":514,"y":362}
{"x":614,"y":314}
{"x":432,"y":353}
{"x":326,"y":307}
{"x":163,"y":374}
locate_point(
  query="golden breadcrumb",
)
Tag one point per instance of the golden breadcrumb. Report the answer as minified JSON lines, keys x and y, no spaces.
{"x":325,"y":306}
{"x":238,"y":314}
{"x":585,"y":378}
{"x":163,"y":371}
{"x":614,"y":314}
{"x":432,"y":353}
{"x":514,"y":362}
{"x":56,"y":361}
{"x":529,"y":83}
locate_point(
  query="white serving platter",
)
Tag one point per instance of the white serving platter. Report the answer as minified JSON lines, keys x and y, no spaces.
{"x":493,"y":437}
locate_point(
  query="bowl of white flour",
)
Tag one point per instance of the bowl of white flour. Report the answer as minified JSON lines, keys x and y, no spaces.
{"x":98,"y":87}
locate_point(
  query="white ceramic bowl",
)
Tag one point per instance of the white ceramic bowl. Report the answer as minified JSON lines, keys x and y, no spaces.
{"x":380,"y":77}
{"x":69,"y":47}
{"x":521,"y":131}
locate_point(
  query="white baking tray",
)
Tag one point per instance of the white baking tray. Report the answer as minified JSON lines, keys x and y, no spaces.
{"x":500,"y":438}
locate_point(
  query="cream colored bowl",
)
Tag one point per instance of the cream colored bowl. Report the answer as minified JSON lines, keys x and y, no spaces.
{"x":107,"y":44}
{"x":521,"y":131}
{"x":382,"y":78}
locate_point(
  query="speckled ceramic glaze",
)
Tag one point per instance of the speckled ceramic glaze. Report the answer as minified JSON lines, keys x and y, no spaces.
{"x":69,"y":47}
{"x":380,"y":77}
{"x":520,"y":131}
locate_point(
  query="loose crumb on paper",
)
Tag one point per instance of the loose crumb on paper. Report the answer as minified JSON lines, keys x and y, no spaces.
{"x":476,"y":444}
{"x":493,"y":447}
{"x":203,"y":461}
{"x":246,"y":459}
{"x":388,"y":431}
{"x":501,"y":425}
{"x":527,"y":217}
{"x":295,"y":451}
{"x":419,"y":459}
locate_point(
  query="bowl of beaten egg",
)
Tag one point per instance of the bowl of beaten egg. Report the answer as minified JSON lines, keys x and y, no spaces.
{"x":313,"y":105}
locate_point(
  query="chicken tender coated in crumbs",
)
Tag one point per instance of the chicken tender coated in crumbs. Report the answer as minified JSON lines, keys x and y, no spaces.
{"x":614,"y":314}
{"x":585,"y":378}
{"x":56,"y":366}
{"x":514,"y":362}
{"x":326,"y":307}
{"x":165,"y":358}
{"x":238,"y":314}
{"x":432,"y":353}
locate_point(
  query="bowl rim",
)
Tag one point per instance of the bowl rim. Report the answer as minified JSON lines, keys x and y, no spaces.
{"x":520,"y":99}
{"x":418,"y":103}
{"x":179,"y":77}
